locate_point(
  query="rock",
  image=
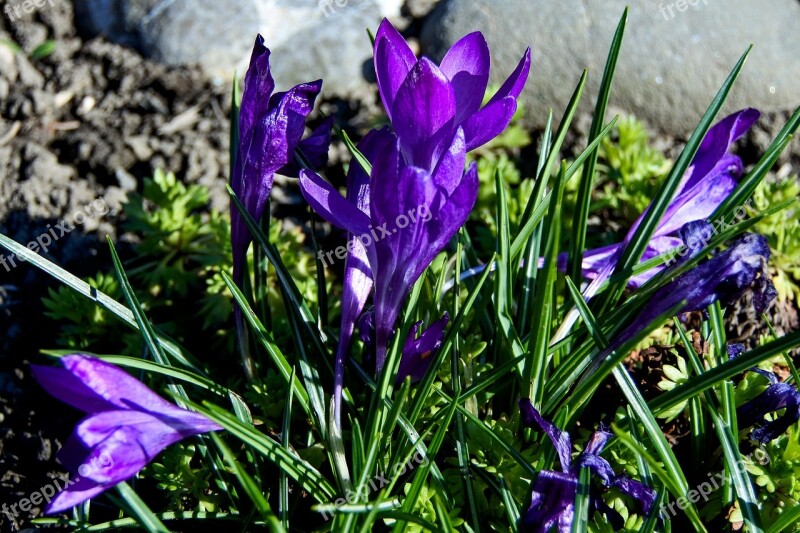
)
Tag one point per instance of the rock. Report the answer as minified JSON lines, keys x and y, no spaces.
{"x":310,"y":39}
{"x":28,"y":75}
{"x":671,"y":64}
{"x":327,"y":40}
{"x":8,"y":65}
{"x":420,"y":8}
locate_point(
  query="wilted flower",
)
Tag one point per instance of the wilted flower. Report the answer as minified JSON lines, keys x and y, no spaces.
{"x":127,"y":427}
{"x":553,"y":495}
{"x":777,"y":396}
{"x":722,"y":278}
{"x":709,"y":180}
{"x":427,"y":103}
{"x":417,"y":351}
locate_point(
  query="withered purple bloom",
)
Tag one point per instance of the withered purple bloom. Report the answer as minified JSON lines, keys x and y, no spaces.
{"x":722,"y":278}
{"x":462,"y":78}
{"x":553,"y":495}
{"x":271,"y":127}
{"x":711,"y":177}
{"x":127,"y":427}
{"x":775,"y":397}
{"x":417,"y":351}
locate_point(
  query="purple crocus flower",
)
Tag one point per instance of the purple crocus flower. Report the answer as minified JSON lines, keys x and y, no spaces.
{"x":463,"y":76}
{"x":722,"y":278}
{"x":553,"y":495}
{"x":413,"y":214}
{"x":271,"y":127}
{"x":775,"y":397}
{"x":710,"y":179}
{"x":127,"y":427}
{"x":446,"y":195}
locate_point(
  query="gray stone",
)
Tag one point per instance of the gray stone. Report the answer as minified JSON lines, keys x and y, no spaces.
{"x":420,"y":8}
{"x":309,"y":39}
{"x":671,"y":64}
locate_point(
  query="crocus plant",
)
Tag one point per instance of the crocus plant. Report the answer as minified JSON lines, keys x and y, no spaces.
{"x":777,"y":396}
{"x":417,"y":166}
{"x":271,"y":128}
{"x":411,"y":186}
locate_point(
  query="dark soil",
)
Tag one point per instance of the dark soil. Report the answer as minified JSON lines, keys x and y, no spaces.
{"x":86,"y":122}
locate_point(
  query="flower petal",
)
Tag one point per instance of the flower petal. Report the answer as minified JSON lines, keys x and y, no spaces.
{"x":717,"y":142}
{"x":722,"y":278}
{"x":599,"y":467}
{"x":63,"y":385}
{"x":467,"y":64}
{"x":331,"y":205}
{"x":552,"y":502}
{"x":636,"y":490}
{"x":258,"y":86}
{"x":450,"y":170}
{"x":697,"y":203}
{"x":450,"y":217}
{"x":516,"y":81}
{"x":424,"y":114}
{"x":131,"y":439}
{"x":74,"y":494}
{"x":407,"y":250}
{"x":775,"y":397}
{"x":560,"y":439}
{"x":393,"y":61}
{"x":417,"y":352}
{"x":109,"y":383}
{"x":264,"y":148}
{"x":489,"y":122}
{"x":314,"y":149}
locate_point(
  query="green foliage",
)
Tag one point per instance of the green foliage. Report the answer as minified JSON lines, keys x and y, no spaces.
{"x":782,"y":231}
{"x":180,"y":473}
{"x":630,"y":170}
{"x":501,"y":155}
{"x":180,"y":240}
{"x":84,"y":325}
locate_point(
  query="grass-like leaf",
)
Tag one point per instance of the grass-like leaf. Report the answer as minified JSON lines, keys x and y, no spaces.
{"x":140,"y":511}
{"x":586,"y":186}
